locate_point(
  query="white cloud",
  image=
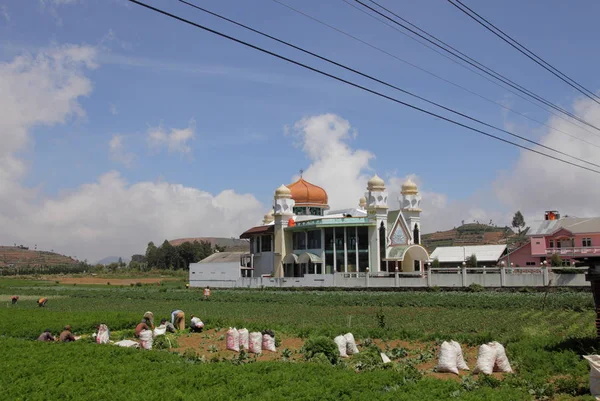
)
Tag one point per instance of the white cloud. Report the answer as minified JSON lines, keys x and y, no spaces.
{"x":175,"y":140}
{"x":4,"y":12}
{"x":109,"y":216}
{"x":117,"y":151}
{"x":113,"y":109}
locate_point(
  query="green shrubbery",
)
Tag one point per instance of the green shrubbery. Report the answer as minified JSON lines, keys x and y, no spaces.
{"x":318,"y":348}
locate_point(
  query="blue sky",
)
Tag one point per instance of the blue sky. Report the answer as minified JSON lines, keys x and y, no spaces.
{"x":153,"y":71}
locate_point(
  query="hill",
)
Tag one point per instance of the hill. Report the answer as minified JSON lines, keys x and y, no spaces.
{"x":15,"y":256}
{"x":467,"y":234}
{"x":112,"y":259}
{"x":232,"y":244}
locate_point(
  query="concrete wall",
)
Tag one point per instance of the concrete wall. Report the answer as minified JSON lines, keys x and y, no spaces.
{"x":223,"y":276}
{"x":263,"y":263}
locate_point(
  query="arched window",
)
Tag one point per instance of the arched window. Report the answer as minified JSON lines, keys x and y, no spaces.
{"x":382,"y":246}
{"x":416,"y":234}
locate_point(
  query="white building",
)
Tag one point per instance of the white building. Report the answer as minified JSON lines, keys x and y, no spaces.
{"x":302,"y":236}
{"x":454,"y":256}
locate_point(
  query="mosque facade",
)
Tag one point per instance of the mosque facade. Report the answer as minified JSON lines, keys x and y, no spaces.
{"x":302,"y":236}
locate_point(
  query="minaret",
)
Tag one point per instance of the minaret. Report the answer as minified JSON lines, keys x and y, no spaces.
{"x":411,"y":202}
{"x":268,"y":218}
{"x":377,"y":208}
{"x":283,"y":211}
{"x":362,"y":203}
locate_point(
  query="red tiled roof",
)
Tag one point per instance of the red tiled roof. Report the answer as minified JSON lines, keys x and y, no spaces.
{"x":258,"y":230}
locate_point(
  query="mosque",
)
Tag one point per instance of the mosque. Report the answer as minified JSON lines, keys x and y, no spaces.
{"x":302,"y":236}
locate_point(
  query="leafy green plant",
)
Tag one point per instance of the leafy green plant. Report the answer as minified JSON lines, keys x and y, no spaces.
{"x":321,"y":345}
{"x":476,"y":288}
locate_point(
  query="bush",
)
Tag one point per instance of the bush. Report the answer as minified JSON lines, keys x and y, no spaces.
{"x":435,"y":288}
{"x":476,"y":288}
{"x":165,"y":342}
{"x":321,"y":345}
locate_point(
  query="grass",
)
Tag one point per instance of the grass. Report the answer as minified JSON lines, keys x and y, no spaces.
{"x":544,"y":345}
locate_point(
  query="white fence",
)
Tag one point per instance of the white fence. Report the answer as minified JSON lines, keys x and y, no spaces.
{"x":495,"y":277}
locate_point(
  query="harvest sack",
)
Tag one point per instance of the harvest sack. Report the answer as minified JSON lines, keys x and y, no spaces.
{"x":127,"y":344}
{"x":341,"y":343}
{"x":486,"y":359}
{"x":233,"y":340}
{"x":384,"y":358}
{"x":351,"y":347}
{"x":594,"y":361}
{"x":103,"y":334}
{"x":268,"y":343}
{"x":146,"y":339}
{"x":243,"y":338}
{"x":447,"y":358}
{"x":255,"y":342}
{"x":160,"y":330}
{"x":460,"y":360}
{"x":502,"y":364}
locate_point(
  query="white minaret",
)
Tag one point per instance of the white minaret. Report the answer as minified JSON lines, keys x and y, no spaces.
{"x":411,"y":202}
{"x":377,"y":207}
{"x":362,"y":203}
{"x":283,"y":206}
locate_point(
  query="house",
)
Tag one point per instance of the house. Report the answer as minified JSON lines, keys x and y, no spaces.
{"x":454,"y":256}
{"x":302,"y":236}
{"x":221,"y":267}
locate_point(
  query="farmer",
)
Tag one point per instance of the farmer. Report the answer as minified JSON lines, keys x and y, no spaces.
{"x":178,"y":319}
{"x":42,"y":302}
{"x":14,"y":299}
{"x":67,"y":336}
{"x":168,"y":325}
{"x":141,"y":327}
{"x":196,"y":324}
{"x":149,"y":316}
{"x":206,"y":293}
{"x":46,"y":336}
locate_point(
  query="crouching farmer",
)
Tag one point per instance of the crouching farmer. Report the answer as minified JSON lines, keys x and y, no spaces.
{"x":178,"y":319}
{"x":42,"y":302}
{"x":46,"y":336}
{"x":14,"y":299}
{"x":196,"y":324}
{"x":67,"y":336}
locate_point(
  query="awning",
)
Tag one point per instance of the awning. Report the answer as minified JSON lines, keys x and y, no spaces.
{"x":309,"y":257}
{"x":259,"y":230}
{"x":290,"y":258}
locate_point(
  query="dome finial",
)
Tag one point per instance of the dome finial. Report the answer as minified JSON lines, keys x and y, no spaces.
{"x":283,"y":192}
{"x":409,"y":187}
{"x":376,"y":183}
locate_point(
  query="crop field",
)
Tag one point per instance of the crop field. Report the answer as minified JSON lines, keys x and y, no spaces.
{"x":544,"y":335}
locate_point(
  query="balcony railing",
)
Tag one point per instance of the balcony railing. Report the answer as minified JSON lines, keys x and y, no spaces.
{"x":575,"y":251}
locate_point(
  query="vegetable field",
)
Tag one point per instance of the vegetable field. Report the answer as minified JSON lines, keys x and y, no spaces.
{"x":544,"y":336}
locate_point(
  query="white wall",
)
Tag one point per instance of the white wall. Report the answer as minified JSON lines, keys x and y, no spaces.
{"x":263,"y":263}
{"x":202,"y":273}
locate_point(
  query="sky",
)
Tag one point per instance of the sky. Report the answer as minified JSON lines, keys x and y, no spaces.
{"x":121,"y":126}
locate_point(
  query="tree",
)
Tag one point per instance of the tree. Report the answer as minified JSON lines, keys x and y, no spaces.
{"x":152,"y":255}
{"x":556,"y":260}
{"x":187,"y":253}
{"x":435,"y":263}
{"x":472,"y":261}
{"x":518,"y":222}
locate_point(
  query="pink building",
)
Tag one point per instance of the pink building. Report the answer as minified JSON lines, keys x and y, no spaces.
{"x":574,"y":239}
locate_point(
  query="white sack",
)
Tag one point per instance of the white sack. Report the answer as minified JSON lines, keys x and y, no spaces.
{"x":341,"y":343}
{"x":160,"y":330}
{"x":460,"y":360}
{"x":243,"y":333}
{"x":255,"y":342}
{"x":447,"y":358}
{"x":146,"y":339}
{"x":268,"y":343}
{"x":128,"y":344}
{"x":486,"y":359}
{"x":594,"y":361}
{"x":351,"y":347}
{"x":384,"y":358}
{"x":233,"y":340}
{"x":103,"y":335}
{"x":502,"y":364}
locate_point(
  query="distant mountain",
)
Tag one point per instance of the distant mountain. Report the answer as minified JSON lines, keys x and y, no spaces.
{"x":468,"y":234}
{"x":232,"y":244}
{"x":112,"y":259}
{"x":20,"y":256}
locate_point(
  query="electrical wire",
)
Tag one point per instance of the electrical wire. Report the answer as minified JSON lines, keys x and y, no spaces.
{"x":433,"y":74}
{"x":291,"y":61}
{"x":524,"y":50}
{"x":476,"y":64}
{"x":337,"y":64}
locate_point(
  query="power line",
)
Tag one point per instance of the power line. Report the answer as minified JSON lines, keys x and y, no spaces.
{"x":382,"y":82}
{"x":475,"y":64}
{"x":433,"y":74}
{"x":518,"y":46}
{"x":465,"y":66}
{"x":357,"y":85}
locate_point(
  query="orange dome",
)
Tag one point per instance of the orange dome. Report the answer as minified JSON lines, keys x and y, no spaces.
{"x":306,"y":194}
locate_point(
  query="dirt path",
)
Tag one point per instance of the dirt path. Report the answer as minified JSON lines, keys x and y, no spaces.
{"x":112,"y":280}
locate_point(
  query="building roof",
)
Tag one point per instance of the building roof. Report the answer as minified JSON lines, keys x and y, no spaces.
{"x":484,"y":253}
{"x":576,"y":225}
{"x":306,"y":194}
{"x":223,"y":257}
{"x":267,"y":229}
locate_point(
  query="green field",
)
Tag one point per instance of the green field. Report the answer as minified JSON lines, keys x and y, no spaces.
{"x":544,"y":336}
